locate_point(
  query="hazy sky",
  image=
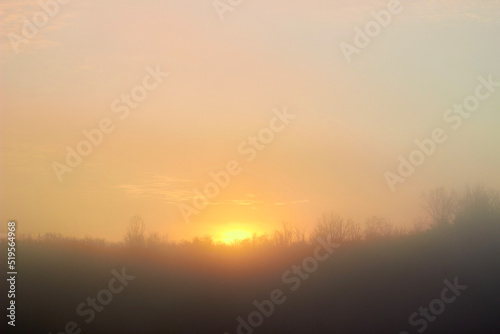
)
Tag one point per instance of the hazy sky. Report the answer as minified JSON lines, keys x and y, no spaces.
{"x":352,"y":120}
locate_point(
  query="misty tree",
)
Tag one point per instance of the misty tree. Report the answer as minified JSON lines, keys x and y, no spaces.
{"x":478,"y":205}
{"x":135,"y":236}
{"x":155,"y":240}
{"x":356,"y":233}
{"x":377,"y":227}
{"x":440,"y":205}
{"x":419,"y":225}
{"x":336,"y":228}
{"x":259,"y":240}
{"x":289,"y":234}
{"x":399,"y":231}
{"x":204,"y":242}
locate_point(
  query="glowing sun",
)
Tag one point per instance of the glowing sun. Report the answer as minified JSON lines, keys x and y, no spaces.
{"x":231,"y":236}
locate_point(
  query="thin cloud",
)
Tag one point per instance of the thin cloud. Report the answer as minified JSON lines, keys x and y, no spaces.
{"x":302,"y":201}
{"x":15,"y":13}
{"x":431,"y":10}
{"x":169,"y":189}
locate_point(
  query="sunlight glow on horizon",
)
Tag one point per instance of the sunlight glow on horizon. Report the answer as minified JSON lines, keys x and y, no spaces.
{"x":234,"y":232}
{"x":231,"y":236}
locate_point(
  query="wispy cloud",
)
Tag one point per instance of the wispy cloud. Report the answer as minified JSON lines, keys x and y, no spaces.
{"x":168,"y":189}
{"x":173,"y":190}
{"x":442,"y":10}
{"x":301,"y":201}
{"x":430,"y":10}
{"x":14,"y":15}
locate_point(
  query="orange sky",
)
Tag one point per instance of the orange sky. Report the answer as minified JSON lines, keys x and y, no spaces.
{"x":352,"y":120}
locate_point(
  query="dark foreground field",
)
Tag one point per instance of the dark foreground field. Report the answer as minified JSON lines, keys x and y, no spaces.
{"x":364,"y":287}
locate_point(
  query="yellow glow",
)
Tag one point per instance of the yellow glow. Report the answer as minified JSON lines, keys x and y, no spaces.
{"x":230,"y":236}
{"x":231,"y":232}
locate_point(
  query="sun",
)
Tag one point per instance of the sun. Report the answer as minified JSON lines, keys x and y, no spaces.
{"x":229,"y":233}
{"x":231,"y":236}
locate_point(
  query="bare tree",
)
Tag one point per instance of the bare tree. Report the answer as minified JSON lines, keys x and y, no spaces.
{"x":205,"y":241}
{"x":377,"y":227}
{"x":259,"y":240}
{"x":478,"y":205}
{"x":356,"y":233}
{"x":336,"y":228}
{"x":154,"y":240}
{"x":419,"y":225}
{"x":399,"y":231}
{"x":289,"y":234}
{"x":325,"y":227}
{"x":439,"y":205}
{"x":135,"y":236}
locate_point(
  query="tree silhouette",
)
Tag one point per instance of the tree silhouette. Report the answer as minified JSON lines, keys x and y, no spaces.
{"x":337,"y":228}
{"x":135,"y":236}
{"x":440,"y":205}
{"x":289,"y":234}
{"x":478,"y":205}
{"x":377,"y":227}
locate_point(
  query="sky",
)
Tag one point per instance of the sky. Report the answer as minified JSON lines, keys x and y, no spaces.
{"x":178,"y":89}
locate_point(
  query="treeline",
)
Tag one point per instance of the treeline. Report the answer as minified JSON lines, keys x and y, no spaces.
{"x":474,"y":208}
{"x":470,"y":210}
{"x":379,"y":276}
